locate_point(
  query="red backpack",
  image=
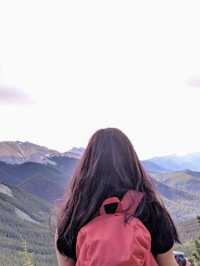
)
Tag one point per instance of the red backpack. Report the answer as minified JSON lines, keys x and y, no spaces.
{"x":108,"y":241}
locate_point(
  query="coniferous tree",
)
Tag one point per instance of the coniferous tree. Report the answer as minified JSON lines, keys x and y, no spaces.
{"x":195,"y":258}
{"x":25,"y":255}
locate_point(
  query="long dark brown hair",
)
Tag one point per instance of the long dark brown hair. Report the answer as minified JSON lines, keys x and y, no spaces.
{"x":108,"y":167}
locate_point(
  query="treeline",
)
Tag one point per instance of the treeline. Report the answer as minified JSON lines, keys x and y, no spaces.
{"x":195,"y":257}
{"x":23,"y":243}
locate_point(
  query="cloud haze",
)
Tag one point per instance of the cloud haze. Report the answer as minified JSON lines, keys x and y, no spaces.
{"x":13,"y":96}
{"x":194,"y":82}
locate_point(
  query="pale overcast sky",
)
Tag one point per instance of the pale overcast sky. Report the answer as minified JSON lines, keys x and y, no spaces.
{"x":68,"y":68}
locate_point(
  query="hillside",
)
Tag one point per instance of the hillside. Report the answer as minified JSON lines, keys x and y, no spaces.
{"x":48,"y":181}
{"x":187,"y":180}
{"x":152,"y":166}
{"x":188,"y":229}
{"x":184,"y":182}
{"x":182,"y":205}
{"x":43,"y":180}
{"x":24,"y":218}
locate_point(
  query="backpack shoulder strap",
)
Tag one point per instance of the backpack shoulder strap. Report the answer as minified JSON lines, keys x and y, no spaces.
{"x":131,"y":201}
{"x":128,"y":204}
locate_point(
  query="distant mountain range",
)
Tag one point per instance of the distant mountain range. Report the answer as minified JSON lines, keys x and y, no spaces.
{"x":45,"y":173}
{"x":175,"y":162}
{"x":17,"y":152}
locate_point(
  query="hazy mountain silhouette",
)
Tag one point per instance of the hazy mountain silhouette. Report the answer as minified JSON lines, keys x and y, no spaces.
{"x":17,"y":152}
{"x":176,"y":163}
